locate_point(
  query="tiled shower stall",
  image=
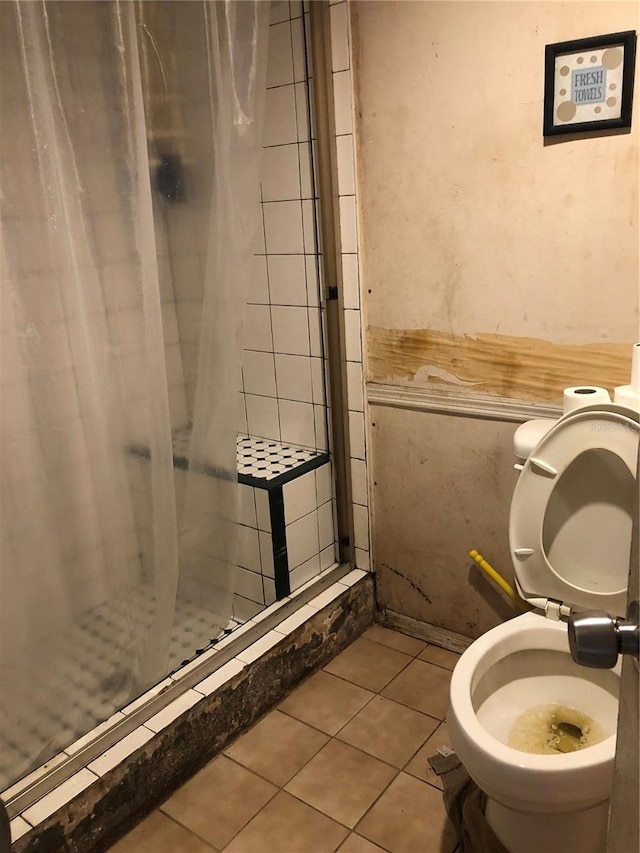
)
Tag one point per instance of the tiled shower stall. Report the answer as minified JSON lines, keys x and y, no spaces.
{"x":284,"y":394}
{"x":287,"y":491}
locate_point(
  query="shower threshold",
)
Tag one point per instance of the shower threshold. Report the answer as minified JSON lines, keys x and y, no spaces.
{"x":37,"y":796}
{"x":89,"y":664}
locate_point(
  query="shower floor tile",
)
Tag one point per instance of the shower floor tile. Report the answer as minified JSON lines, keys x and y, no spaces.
{"x":325,"y":783}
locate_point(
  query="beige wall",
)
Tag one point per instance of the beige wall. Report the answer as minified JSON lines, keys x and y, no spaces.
{"x":471,"y":224}
{"x":493,"y":264}
{"x":443,"y":490}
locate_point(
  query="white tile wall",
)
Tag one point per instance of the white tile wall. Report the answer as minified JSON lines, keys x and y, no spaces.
{"x":302,"y":539}
{"x":259,"y":285}
{"x":353,"y":331}
{"x":262,"y":416}
{"x":266,"y":553}
{"x":280,"y":59}
{"x":302,"y":112}
{"x":248,"y":552}
{"x":262,"y":510}
{"x":286,"y":279}
{"x":259,"y":374}
{"x":297,"y":423}
{"x":244,"y":609}
{"x":305,"y":572}
{"x":348,"y":230}
{"x":355,"y":389}
{"x":350,"y":279}
{"x":290,"y":330}
{"x":280,"y":127}
{"x":281,"y":173}
{"x":283,"y":227}
{"x":300,"y":496}
{"x":361,"y":524}
{"x":356,"y":435}
{"x":279,"y":11}
{"x":258,"y":328}
{"x":293,"y":374}
{"x":289,"y":294}
{"x":249,"y":585}
{"x":359,"y":482}
{"x":342,"y":101}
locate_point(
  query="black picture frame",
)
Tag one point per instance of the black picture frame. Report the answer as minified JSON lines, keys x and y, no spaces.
{"x":586,"y":75}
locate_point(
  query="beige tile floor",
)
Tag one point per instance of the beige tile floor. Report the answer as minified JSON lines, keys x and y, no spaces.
{"x":340,"y":764}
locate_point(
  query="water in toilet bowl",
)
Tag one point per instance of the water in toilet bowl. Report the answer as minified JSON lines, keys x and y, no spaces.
{"x":552,"y":729}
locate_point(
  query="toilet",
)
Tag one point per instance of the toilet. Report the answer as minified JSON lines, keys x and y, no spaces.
{"x":570,"y":538}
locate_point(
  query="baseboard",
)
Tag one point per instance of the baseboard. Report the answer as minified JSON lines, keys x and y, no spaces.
{"x":423,"y":631}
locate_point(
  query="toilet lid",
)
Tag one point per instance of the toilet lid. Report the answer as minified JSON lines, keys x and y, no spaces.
{"x":572,"y":513}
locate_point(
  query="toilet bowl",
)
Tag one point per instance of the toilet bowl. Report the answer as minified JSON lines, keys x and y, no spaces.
{"x":570,"y":536}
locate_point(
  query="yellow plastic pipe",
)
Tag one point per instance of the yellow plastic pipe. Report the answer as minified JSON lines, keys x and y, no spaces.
{"x":506,"y":587}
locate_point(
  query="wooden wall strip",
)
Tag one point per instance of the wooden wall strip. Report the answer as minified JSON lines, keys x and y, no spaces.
{"x":499,"y":365}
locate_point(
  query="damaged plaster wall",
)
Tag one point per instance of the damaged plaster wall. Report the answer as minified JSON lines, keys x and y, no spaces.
{"x":471,"y":225}
{"x":493,"y":264}
{"x":446,"y":490}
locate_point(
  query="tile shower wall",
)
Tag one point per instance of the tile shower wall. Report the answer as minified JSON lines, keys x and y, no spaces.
{"x":283,"y":367}
{"x":284,"y":378}
{"x":307,"y":536}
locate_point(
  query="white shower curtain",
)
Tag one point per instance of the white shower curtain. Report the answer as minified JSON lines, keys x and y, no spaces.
{"x":124,"y":162}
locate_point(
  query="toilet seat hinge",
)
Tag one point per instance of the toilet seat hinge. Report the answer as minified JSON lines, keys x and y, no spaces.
{"x":556,"y":610}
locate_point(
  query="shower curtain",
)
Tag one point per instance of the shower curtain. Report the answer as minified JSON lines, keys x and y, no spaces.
{"x":129,"y":153}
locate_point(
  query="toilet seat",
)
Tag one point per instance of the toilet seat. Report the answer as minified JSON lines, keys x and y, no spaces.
{"x":571,"y":514}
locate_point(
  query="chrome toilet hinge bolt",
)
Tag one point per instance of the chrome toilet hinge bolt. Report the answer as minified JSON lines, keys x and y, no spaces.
{"x":596,"y":638}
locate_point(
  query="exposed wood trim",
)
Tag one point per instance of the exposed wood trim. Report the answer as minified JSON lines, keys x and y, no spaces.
{"x":526,"y":369}
{"x":424,"y":400}
{"x":424,"y":631}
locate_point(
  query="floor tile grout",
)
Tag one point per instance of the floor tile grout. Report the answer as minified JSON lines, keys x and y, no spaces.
{"x":336,"y":713}
{"x":187,"y":829}
{"x":398,"y":770}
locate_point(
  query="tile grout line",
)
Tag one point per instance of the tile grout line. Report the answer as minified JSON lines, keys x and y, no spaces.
{"x":350,"y":830}
{"x":183,"y":826}
{"x":331,"y":738}
{"x":283,"y":790}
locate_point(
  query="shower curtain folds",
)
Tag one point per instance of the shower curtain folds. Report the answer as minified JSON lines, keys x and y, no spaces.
{"x":129,"y":155}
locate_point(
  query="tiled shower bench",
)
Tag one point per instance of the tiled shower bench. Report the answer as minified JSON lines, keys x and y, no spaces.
{"x":286,"y":533}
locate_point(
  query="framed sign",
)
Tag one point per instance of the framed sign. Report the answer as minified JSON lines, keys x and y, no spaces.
{"x":588,"y":84}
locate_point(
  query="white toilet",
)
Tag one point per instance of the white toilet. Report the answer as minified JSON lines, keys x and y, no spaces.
{"x":570,"y":539}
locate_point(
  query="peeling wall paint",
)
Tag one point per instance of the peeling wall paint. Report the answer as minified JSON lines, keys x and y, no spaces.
{"x":513,"y":367}
{"x":472,"y":224}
